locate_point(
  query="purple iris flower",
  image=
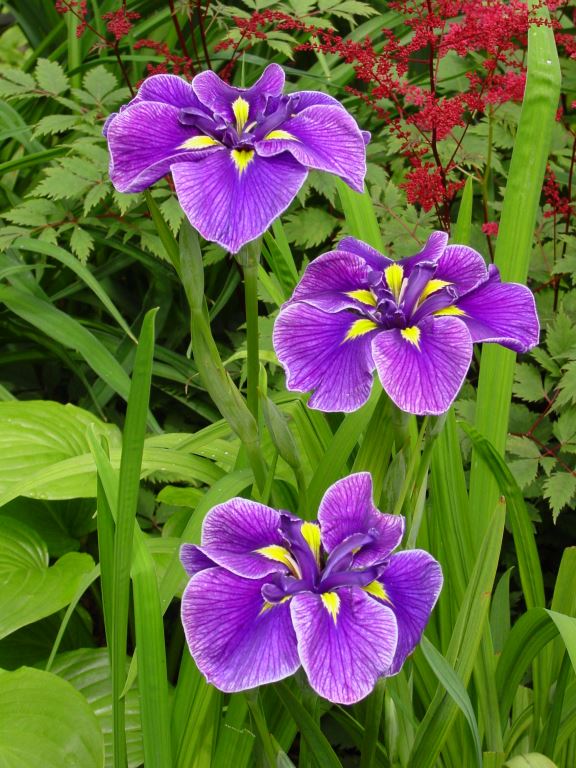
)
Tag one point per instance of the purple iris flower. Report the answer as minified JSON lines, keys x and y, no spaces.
{"x":414,"y":320}
{"x":269,"y":592}
{"x":238,"y":156}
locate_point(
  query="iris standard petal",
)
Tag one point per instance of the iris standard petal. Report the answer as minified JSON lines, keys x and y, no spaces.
{"x":232,"y":533}
{"x":327,"y":352}
{"x":326,"y":138}
{"x":169,"y":89}
{"x":219,"y":97}
{"x":347,"y":508}
{"x":232,"y":202}
{"x":412,"y":582}
{"x":346,"y":641}
{"x":194,"y":560}
{"x":145,"y":140}
{"x":334,"y":281}
{"x":422,"y":368}
{"x":431,"y":251}
{"x":462,"y":267}
{"x":236,"y":639}
{"x":504,"y":313}
{"x":371,"y":256}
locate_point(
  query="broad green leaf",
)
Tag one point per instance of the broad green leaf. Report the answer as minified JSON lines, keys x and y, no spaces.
{"x":530,"y":760}
{"x":30,"y":589}
{"x":35,"y":435}
{"x":46,"y":723}
{"x":88,"y":670}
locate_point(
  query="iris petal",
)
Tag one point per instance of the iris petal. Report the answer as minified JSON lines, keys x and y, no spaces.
{"x":346,"y":642}
{"x":310,"y":345}
{"x":424,"y":378}
{"x":237,"y":640}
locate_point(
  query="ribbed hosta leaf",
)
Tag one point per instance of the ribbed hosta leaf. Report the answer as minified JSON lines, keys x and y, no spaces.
{"x":88,"y":670}
{"x":29,"y":588}
{"x":35,"y":435}
{"x":45,"y":723}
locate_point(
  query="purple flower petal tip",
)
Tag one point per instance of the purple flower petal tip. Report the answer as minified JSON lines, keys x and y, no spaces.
{"x":269,"y":592}
{"x":238,"y":155}
{"x":414,"y":321}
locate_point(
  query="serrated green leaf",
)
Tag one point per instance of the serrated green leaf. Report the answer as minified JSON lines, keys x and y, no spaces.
{"x":523,"y":447}
{"x":528,"y":383}
{"x":34,"y":212}
{"x":172,"y":213}
{"x":52,"y":124}
{"x":567,"y":385}
{"x":60,"y":184}
{"x":14,"y":82}
{"x":46,"y":723}
{"x":561,"y":337}
{"x":50,"y":76}
{"x":559,"y":488}
{"x":98,"y":82}
{"x":31,"y":590}
{"x":309,"y":227}
{"x":544,"y":359}
{"x":95,"y":195}
{"x":81,"y":243}
{"x":564,"y":428}
{"x":524,"y":471}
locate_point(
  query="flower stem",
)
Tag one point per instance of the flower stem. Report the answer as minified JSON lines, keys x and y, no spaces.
{"x":264,"y":735}
{"x":249,"y":257}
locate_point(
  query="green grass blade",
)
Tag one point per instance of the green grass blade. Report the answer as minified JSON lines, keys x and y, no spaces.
{"x":440,"y":715}
{"x":360,"y":215}
{"x":514,"y":247}
{"x":128,"y":489}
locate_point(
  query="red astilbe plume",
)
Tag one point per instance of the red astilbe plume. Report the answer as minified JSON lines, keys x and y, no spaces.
{"x":557,"y":205}
{"x":120,"y":22}
{"x":421,"y":118}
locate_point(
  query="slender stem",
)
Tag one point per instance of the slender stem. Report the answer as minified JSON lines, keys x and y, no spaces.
{"x":374,"y":707}
{"x":249,"y":257}
{"x":262,"y":728}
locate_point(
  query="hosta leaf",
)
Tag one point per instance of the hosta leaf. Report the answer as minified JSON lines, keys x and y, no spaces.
{"x":50,"y":76}
{"x":88,"y":670}
{"x":29,"y":589}
{"x":559,"y":488}
{"x":35,"y":435}
{"x":45,"y":723}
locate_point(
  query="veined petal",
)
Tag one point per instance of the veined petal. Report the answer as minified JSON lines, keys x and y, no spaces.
{"x":232,"y":205}
{"x":233,"y":532}
{"x":328,"y":139}
{"x":145,"y":140}
{"x":319,"y":351}
{"x":334,"y":281}
{"x":346,"y":641}
{"x":432,"y":251}
{"x":504,"y":313}
{"x":219,"y":97}
{"x":423,"y":368}
{"x":412,"y":582}
{"x":347,"y":508}
{"x":194,"y":560}
{"x":463,"y":267}
{"x":314,"y":99}
{"x":235,"y":638}
{"x":168,"y":89}
{"x":375,"y":260}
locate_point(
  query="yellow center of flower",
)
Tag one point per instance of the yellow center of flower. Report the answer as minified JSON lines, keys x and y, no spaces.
{"x":311,"y":534}
{"x":241,"y":108}
{"x":280,"y":555}
{"x":366,"y":297}
{"x":199,"y":142}
{"x":331,"y":602}
{"x":375,"y":588}
{"x":280,"y":134}
{"x":360,"y":328}
{"x":412,"y":335}
{"x":242,"y":158}
{"x":394,"y":275}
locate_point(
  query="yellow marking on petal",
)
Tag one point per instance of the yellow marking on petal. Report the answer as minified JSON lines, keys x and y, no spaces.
{"x":267,"y":605}
{"x":394,"y":275}
{"x":199,"y":142}
{"x":311,"y":534}
{"x":431,"y":287}
{"x":242,"y":158}
{"x":412,"y":335}
{"x":280,"y":555}
{"x":360,"y":328}
{"x":449,"y":312}
{"x":366,"y":297}
{"x":375,"y":588}
{"x":331,"y":602}
{"x":241,"y":108}
{"x":280,"y":134}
